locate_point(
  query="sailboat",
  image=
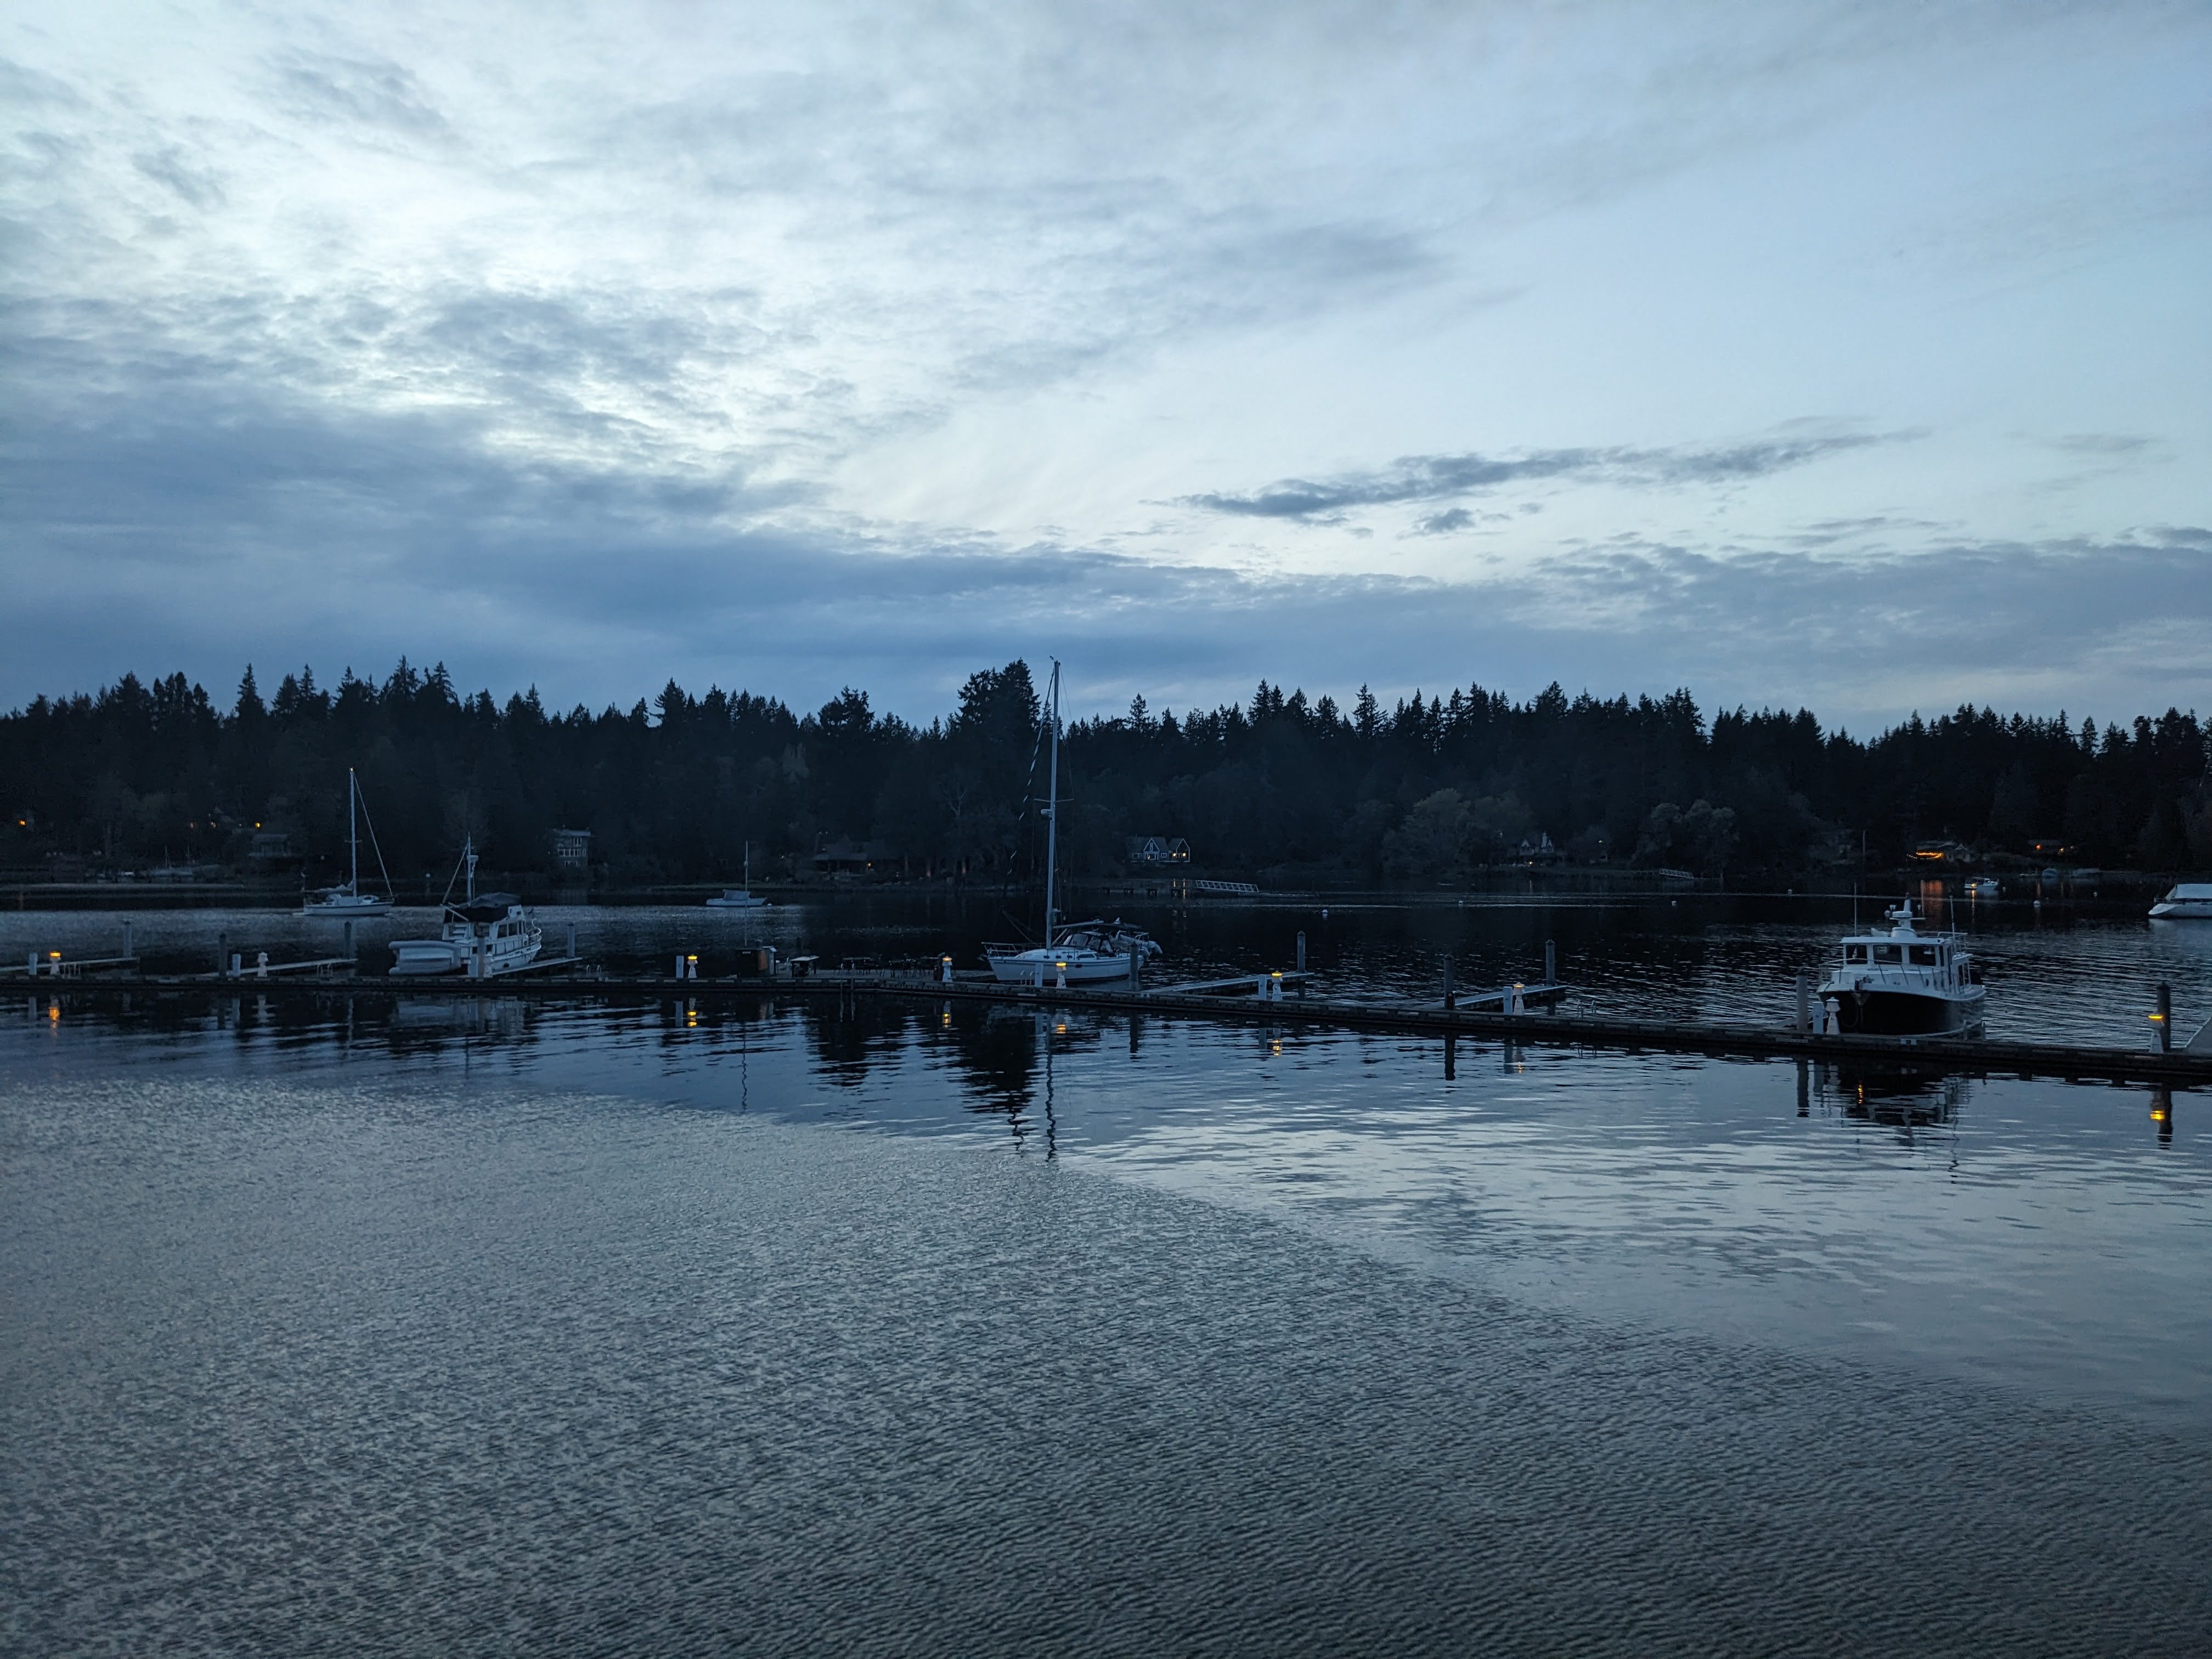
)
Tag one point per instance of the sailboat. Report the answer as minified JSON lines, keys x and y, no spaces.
{"x":483,"y":935}
{"x":740,"y":898}
{"x":348,"y":900}
{"x":1076,"y":953}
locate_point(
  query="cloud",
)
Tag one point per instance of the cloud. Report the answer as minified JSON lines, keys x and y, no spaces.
{"x":1441,"y":477}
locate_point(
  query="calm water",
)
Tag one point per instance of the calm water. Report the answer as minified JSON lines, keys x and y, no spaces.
{"x":479,"y":1327}
{"x":2063,"y":971}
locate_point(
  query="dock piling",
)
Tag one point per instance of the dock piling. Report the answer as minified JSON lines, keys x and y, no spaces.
{"x":571,"y":952}
{"x":221,"y":954}
{"x":1451,"y":1001}
{"x":1804,"y":1002}
{"x":2162,"y":1021}
{"x":1551,"y":962}
{"x":1301,"y":950}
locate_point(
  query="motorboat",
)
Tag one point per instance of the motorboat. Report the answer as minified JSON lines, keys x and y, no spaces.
{"x":485,"y":935}
{"x":1903,"y":983}
{"x":2187,"y":901}
{"x":1982,"y":887}
{"x":1075,"y":953}
{"x":347,"y":900}
{"x":739,"y":898}
{"x":1082,"y":953}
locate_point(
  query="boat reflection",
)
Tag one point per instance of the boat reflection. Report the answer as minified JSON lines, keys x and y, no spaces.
{"x":1902,"y":1096}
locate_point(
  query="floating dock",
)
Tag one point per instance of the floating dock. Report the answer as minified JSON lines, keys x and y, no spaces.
{"x":1477,"y":1015}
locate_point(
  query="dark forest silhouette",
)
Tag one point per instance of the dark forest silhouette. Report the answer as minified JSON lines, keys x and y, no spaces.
{"x":1428,"y":789}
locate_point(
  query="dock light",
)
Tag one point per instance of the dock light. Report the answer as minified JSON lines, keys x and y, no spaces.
{"x":2157,"y":1114}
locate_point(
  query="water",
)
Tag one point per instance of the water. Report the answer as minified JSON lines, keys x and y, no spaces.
{"x":2065,"y":970}
{"x":473,"y":1326}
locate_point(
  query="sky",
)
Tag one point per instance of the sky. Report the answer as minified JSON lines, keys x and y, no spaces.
{"x":1855,"y":357}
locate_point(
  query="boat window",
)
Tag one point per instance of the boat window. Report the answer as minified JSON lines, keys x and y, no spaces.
{"x":1855,"y":953}
{"x":1923,"y":955}
{"x":1889,"y":953}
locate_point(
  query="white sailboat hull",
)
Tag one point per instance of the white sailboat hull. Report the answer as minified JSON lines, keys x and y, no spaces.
{"x":1052,"y":969}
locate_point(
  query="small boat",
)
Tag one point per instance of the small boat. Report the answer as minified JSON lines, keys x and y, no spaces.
{"x":348,"y":900}
{"x":739,"y":898}
{"x":1903,"y":983}
{"x":2187,"y":901}
{"x":483,"y":935}
{"x":1083,"y":953}
{"x":1982,"y":887}
{"x":1078,"y":953}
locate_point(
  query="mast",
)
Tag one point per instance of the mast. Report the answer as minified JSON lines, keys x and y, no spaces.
{"x":1052,"y":809}
{"x":353,"y":835}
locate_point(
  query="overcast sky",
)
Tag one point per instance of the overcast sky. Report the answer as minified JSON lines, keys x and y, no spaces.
{"x":1854,"y":355}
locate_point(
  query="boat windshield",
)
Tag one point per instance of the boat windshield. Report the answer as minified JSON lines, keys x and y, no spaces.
{"x":1923,"y":955}
{"x":1855,"y":953}
{"x":1893,"y":954}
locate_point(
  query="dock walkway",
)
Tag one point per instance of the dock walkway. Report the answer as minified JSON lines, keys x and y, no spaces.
{"x":1202,"y":1001}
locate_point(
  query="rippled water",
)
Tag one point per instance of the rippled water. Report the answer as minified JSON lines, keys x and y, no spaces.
{"x":471,"y":1326}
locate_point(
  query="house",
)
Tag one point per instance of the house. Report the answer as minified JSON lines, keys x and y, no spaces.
{"x":850,"y":858}
{"x":572,"y":850}
{"x":1156,"y":850}
{"x":271,"y":846}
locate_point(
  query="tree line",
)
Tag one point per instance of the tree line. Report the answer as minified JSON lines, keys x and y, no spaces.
{"x":1426,"y":789}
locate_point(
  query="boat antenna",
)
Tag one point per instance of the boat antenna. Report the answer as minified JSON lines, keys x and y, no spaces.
{"x":1052,"y":808}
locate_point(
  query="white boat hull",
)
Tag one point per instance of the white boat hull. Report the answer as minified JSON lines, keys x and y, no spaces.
{"x":345,"y":910}
{"x":737,"y":902}
{"x":1050,"y":970}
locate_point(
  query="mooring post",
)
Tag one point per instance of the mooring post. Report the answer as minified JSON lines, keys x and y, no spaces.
{"x":1804,"y":1002}
{"x":1451,"y":1001}
{"x":1302,"y":951}
{"x":221,"y":953}
{"x":2163,"y":1019}
{"x":571,"y":949}
{"x":1551,"y":962}
{"x":128,"y":951}
{"x":33,"y":965}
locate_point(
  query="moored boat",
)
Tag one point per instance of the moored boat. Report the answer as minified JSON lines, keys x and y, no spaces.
{"x":1082,"y":953}
{"x":1903,"y":983}
{"x":347,"y":900}
{"x":2185,"y":900}
{"x":485,"y":935}
{"x":1078,"y":953}
{"x":739,"y":898}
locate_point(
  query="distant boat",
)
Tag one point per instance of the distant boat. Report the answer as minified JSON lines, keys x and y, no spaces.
{"x":2187,"y":901}
{"x":740,"y":898}
{"x":483,"y":936}
{"x":1982,"y":887}
{"x":1086,"y":952}
{"x":349,"y":901}
{"x":1904,"y":983}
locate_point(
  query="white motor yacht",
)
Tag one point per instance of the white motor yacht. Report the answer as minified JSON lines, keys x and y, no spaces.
{"x":483,"y":935}
{"x":346,"y":902}
{"x":2187,"y":901}
{"x":1903,"y":983}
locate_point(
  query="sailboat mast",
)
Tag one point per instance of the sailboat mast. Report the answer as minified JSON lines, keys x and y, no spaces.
{"x":353,"y":835}
{"x":1052,"y":810}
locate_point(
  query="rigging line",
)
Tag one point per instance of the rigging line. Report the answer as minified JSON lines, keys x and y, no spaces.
{"x":362,"y":801}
